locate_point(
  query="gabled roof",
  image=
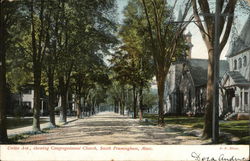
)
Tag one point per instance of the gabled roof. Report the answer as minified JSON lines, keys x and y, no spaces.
{"x":198,"y":70}
{"x":237,"y":79}
{"x":242,"y":42}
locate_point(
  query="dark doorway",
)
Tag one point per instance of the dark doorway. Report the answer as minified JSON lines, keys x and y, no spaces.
{"x":230,"y":93}
{"x":179,"y":102}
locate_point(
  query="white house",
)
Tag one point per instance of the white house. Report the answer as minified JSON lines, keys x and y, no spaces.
{"x":27,"y":97}
{"x":235,"y":85}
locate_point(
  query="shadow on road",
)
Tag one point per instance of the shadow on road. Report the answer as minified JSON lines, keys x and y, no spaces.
{"x":110,"y":128}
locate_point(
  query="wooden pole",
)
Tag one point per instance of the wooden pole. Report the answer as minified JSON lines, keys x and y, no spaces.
{"x":215,"y":132}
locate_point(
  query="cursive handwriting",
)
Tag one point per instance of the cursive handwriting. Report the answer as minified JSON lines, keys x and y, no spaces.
{"x":199,"y":157}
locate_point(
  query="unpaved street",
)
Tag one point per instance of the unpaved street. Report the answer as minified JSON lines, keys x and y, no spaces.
{"x":110,"y":128}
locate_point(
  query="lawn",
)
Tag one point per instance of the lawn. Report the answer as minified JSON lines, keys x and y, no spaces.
{"x":19,"y":122}
{"x":238,"y":128}
{"x":194,"y":122}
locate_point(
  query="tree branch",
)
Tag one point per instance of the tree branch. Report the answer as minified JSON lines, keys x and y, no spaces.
{"x":232,"y":4}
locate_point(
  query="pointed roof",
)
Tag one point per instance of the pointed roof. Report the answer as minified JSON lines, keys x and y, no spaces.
{"x":180,"y":16}
{"x":198,"y":70}
{"x":234,"y":78}
{"x":242,"y":43}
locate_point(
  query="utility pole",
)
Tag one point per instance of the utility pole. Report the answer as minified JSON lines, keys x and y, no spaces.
{"x":215,"y":132}
{"x":215,"y":121}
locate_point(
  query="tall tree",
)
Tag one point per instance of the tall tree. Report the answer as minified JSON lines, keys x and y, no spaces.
{"x":131,"y":63}
{"x":87,"y":30}
{"x":52,"y":56}
{"x":3,"y":38}
{"x":165,"y":39}
{"x":136,"y":44}
{"x":206,"y":26}
{"x":7,"y":10}
{"x":39,"y":39}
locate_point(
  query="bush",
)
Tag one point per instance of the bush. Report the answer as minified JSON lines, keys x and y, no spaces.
{"x":21,"y":111}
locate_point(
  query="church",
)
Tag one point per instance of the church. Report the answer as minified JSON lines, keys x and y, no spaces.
{"x":186,"y":82}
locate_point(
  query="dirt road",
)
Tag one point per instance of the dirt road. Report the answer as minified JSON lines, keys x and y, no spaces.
{"x":110,"y":128}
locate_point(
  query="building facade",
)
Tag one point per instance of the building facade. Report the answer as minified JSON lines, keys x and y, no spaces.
{"x":186,"y":86}
{"x":25,"y":100}
{"x":235,"y":85}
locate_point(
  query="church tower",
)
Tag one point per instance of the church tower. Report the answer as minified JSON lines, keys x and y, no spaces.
{"x":188,"y":37}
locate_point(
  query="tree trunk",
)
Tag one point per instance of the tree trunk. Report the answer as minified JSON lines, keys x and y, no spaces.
{"x":78,"y":107}
{"x":36,"y":53}
{"x":207,"y":131}
{"x":37,"y":97}
{"x":90,"y":108}
{"x":63,"y":93}
{"x":93,"y":106}
{"x":134,"y":101}
{"x":51,"y":98}
{"x":161,"y":87}
{"x":141,"y":102}
{"x":63,"y":111}
{"x":123,"y":101}
{"x":83,"y":105}
{"x":3,"y":131}
{"x":115,"y":109}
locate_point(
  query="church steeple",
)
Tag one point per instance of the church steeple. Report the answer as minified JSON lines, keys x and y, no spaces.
{"x":180,"y":16}
{"x":188,"y":37}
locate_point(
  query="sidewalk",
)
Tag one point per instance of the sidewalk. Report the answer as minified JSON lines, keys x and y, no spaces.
{"x":28,"y":129}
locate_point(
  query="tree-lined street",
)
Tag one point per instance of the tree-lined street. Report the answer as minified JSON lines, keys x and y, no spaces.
{"x":66,"y":59}
{"x":113,"y":129}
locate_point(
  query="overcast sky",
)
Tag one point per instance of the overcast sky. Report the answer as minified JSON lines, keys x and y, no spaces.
{"x":199,"y":50}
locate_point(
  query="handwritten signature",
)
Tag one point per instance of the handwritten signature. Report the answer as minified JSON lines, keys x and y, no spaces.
{"x":221,"y":157}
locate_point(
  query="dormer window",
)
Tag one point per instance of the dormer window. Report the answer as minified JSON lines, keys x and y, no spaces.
{"x":244,"y":61}
{"x":235,"y":64}
{"x":240,"y":63}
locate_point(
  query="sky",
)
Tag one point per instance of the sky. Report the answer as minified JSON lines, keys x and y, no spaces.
{"x":199,"y":49}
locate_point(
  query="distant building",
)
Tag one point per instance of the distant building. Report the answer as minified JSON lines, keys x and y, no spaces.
{"x":235,"y":85}
{"x":186,"y":86}
{"x":25,"y":99}
{"x":186,"y":82}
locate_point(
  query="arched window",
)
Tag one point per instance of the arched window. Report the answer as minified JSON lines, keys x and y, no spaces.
{"x":235,"y":64}
{"x":240,"y":63}
{"x":245,"y":61}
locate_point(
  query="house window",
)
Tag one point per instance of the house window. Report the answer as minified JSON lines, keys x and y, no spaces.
{"x":235,"y":64}
{"x":245,"y":61}
{"x":246,"y":98}
{"x":240,"y":63}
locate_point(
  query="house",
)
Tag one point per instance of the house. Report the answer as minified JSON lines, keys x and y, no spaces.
{"x":27,"y":96}
{"x":25,"y":100}
{"x":235,"y":84}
